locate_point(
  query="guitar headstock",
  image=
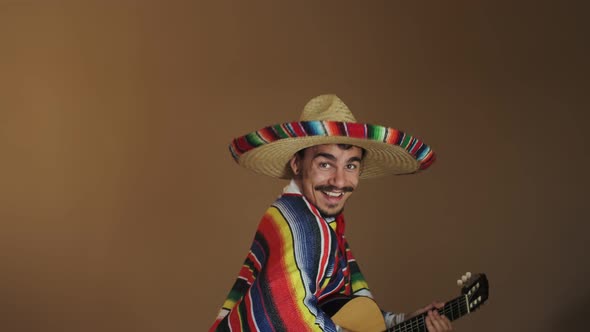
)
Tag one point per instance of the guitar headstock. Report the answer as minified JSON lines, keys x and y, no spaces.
{"x":475,"y":289}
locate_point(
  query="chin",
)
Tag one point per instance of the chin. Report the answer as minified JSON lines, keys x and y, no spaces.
{"x":330,"y":213}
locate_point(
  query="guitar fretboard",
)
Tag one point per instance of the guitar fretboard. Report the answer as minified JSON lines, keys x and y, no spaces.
{"x":452,"y":310}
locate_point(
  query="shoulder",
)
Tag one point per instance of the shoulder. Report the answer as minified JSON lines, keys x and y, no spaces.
{"x":294,"y":223}
{"x":292,"y":213}
{"x":294,"y":208}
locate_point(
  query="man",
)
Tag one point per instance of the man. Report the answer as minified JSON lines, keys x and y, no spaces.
{"x":300,"y":263}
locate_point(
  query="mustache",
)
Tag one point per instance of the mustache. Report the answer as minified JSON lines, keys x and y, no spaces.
{"x":334,"y":188}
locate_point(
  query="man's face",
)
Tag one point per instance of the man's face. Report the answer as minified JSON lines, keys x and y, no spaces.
{"x":327,"y":175}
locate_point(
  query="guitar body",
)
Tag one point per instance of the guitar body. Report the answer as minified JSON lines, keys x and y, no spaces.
{"x":360,"y":314}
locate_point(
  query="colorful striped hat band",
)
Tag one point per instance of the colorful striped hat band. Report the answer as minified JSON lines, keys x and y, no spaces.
{"x":327,"y":120}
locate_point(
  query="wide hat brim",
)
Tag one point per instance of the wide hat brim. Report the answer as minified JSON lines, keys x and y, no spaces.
{"x":387,"y":151}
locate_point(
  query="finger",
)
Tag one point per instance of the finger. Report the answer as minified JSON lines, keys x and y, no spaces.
{"x":429,"y":326}
{"x":437,"y":322}
{"x":441,"y":322}
{"x":422,"y":310}
{"x":447,"y":323}
{"x":438,"y":305}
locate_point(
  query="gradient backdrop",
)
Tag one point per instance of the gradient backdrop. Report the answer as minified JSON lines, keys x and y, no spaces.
{"x":121,"y":209}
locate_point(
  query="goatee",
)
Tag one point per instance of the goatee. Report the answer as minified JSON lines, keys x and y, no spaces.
{"x":325,"y":214}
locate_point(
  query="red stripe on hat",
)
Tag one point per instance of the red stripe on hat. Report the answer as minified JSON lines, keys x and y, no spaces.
{"x":298,"y":129}
{"x":428,"y":160}
{"x":267,"y":134}
{"x":331,"y":128}
{"x":356,"y":130}
{"x":242,"y":144}
{"x":416,"y":147}
{"x":392,"y":136}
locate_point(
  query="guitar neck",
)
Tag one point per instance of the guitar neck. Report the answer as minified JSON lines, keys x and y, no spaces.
{"x":452,"y":310}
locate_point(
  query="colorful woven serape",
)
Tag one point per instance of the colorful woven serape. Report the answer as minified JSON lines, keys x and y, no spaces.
{"x":297,"y":260}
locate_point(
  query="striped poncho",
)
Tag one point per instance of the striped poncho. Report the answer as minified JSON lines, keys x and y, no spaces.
{"x":297,"y":261}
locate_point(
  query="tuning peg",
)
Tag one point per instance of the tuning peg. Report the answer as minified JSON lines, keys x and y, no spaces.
{"x":459,"y":282}
{"x":468,"y":275}
{"x":464,"y":278}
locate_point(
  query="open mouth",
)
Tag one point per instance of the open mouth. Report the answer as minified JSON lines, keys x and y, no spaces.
{"x":333,"y":194}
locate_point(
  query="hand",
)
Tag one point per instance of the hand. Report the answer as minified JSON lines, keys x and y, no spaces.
{"x":435,"y":322}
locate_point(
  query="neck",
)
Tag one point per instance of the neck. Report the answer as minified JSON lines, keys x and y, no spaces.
{"x":292,"y":188}
{"x":452,"y":310}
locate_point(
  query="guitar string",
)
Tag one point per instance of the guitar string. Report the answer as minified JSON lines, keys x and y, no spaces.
{"x":419,"y":322}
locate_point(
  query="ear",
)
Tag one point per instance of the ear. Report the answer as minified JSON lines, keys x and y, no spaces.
{"x":294,"y":164}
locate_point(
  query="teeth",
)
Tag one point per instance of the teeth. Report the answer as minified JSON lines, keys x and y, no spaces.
{"x":333,"y":194}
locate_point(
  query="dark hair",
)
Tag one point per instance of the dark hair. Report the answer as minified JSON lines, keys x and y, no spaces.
{"x":342,"y":146}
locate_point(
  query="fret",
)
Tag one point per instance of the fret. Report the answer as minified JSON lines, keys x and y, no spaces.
{"x":452,"y":310}
{"x":421,"y":323}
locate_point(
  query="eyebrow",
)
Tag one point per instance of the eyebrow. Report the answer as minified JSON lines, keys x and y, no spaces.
{"x":353,"y":159}
{"x":332,"y":158}
{"x":325,"y":155}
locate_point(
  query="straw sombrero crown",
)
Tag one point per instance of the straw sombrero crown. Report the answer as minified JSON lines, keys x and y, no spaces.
{"x":327,"y":120}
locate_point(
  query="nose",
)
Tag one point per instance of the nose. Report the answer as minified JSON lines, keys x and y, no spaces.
{"x":338,"y":178}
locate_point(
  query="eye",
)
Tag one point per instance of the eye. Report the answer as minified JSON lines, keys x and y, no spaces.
{"x":324,"y":165}
{"x":352,"y":166}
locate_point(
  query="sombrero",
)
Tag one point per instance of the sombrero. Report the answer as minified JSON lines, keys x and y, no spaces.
{"x":327,"y":120}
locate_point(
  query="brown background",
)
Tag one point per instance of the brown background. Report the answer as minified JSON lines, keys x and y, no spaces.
{"x":121,"y":209}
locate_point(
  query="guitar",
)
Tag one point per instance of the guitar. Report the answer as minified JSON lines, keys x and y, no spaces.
{"x":361,"y":314}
